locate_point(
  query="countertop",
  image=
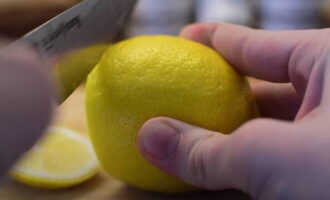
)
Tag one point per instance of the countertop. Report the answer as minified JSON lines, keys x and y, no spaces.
{"x":71,"y":114}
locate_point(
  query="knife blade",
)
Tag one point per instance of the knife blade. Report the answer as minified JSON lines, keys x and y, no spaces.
{"x":87,"y":23}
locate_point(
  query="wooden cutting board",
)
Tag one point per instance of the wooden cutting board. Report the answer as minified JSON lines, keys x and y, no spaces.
{"x":101,"y":187}
{"x":20,"y":16}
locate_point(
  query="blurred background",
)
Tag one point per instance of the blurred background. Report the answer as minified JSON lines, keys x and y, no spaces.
{"x":17,"y":17}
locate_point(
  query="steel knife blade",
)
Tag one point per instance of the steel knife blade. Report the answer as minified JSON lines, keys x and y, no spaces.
{"x":87,"y":23}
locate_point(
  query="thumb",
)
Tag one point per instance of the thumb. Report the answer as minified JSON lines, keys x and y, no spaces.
{"x":197,"y":156}
{"x":255,"y":158}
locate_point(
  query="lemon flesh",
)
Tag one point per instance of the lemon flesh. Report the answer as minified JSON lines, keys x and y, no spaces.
{"x":62,"y":159}
{"x":152,"y":76}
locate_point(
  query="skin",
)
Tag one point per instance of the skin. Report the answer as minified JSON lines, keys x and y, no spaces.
{"x":25,"y":103}
{"x":284,"y":154}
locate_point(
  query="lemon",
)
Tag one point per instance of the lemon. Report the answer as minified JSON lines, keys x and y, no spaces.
{"x":63,"y":158}
{"x":73,"y":68}
{"x":150,"y":76}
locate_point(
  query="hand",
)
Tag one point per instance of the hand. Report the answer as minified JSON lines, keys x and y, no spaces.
{"x":25,"y":103}
{"x":283,"y":156}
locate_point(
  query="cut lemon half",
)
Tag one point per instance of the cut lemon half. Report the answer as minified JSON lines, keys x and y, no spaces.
{"x":63,"y":158}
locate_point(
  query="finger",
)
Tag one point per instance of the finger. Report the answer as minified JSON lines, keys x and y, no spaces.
{"x":314,"y":92}
{"x":190,"y":153}
{"x":212,"y":160}
{"x":201,"y":33}
{"x":25,"y":103}
{"x":326,"y":89}
{"x":276,"y":100}
{"x":277,"y":56}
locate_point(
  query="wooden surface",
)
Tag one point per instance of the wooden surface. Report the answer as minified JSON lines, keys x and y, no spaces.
{"x":101,"y":187}
{"x":104,"y":188}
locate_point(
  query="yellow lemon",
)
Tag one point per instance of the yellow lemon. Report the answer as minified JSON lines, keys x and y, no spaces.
{"x":152,"y":76}
{"x":61,"y":159}
{"x":73,"y":68}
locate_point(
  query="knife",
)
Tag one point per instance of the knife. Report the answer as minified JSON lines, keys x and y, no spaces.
{"x":89,"y":22}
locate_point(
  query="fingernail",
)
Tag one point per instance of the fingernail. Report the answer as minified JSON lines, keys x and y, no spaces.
{"x":185,"y":34}
{"x":160,"y":140}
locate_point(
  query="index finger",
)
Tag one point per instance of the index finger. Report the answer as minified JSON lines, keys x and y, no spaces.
{"x":267,"y":55}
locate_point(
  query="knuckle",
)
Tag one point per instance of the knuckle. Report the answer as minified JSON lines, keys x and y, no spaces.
{"x":253,"y":138}
{"x":202,"y":162}
{"x":256,"y":142}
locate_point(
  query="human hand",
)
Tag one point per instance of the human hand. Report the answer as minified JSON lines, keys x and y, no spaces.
{"x":25,"y":103}
{"x":284,"y":155}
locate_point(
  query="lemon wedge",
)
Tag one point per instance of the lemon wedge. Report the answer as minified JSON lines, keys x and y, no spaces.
{"x":63,"y":158}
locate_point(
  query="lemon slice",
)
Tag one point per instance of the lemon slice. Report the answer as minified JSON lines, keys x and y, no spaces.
{"x":63,"y":158}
